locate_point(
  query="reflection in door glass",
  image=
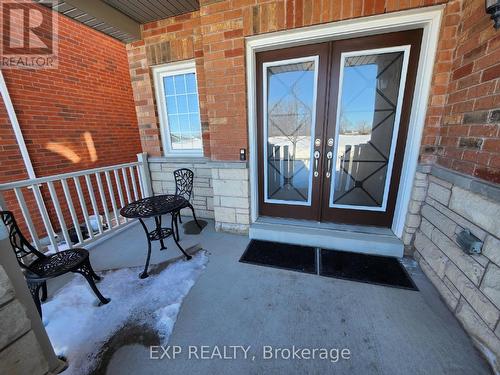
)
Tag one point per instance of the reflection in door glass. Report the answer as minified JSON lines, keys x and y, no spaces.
{"x":290,"y":116}
{"x":368,"y":102}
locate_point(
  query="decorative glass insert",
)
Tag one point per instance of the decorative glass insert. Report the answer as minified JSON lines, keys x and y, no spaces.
{"x":366,"y":130}
{"x":183,"y":112}
{"x":290,"y":104}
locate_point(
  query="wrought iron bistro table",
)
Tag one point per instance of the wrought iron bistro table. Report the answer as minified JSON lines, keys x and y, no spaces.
{"x":156,"y":207}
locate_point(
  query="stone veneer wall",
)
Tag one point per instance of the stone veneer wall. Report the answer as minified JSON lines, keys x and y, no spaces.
{"x":20,"y":352}
{"x":444,"y":203}
{"x":220,"y":192}
{"x":231,"y":197}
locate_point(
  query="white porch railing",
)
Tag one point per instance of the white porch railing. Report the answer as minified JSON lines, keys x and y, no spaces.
{"x":131,"y":182}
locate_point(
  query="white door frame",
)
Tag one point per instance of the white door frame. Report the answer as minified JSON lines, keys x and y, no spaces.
{"x":428,"y":18}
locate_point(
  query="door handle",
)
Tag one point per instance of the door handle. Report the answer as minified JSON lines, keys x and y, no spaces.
{"x":316,"y":161}
{"x":329,"y":157}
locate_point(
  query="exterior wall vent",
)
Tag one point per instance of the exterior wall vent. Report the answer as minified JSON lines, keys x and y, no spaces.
{"x":469,"y":243}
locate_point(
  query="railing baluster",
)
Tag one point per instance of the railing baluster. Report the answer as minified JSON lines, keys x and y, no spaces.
{"x":134,"y":185}
{"x":72,"y":211}
{"x":90,"y":188}
{"x":83,"y":206}
{"x":138,"y":170}
{"x":127,"y":187}
{"x":112,"y":197}
{"x":119,"y":188}
{"x":103,"y":199}
{"x":27,"y":217}
{"x":59,"y":213}
{"x":45,"y":216}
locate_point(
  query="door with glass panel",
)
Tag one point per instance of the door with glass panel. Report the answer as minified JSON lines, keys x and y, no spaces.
{"x":370,"y":98}
{"x":332,"y":125}
{"x":291,"y":88}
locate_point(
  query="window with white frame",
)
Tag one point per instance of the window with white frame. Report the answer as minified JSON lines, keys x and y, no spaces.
{"x":178,"y":108}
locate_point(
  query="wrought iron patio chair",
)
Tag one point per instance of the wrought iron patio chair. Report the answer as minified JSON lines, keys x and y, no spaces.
{"x":184,"y":178}
{"x":38,"y":267}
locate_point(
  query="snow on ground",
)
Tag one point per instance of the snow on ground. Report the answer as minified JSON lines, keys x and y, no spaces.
{"x":78,"y":327}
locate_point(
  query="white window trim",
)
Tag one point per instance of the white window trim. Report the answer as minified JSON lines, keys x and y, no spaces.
{"x":159,"y":72}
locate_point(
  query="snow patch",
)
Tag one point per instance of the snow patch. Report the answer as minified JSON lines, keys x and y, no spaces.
{"x":78,"y":327}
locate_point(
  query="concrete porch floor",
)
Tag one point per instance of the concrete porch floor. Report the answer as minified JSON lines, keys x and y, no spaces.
{"x":387,"y":330}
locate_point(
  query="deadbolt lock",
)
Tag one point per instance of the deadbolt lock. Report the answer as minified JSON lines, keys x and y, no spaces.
{"x":317,"y":142}
{"x":330,"y":142}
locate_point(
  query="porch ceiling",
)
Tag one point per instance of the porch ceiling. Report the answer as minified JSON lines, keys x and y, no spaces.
{"x":121,"y":19}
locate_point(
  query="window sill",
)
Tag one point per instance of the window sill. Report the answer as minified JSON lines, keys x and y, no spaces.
{"x":176,"y":158}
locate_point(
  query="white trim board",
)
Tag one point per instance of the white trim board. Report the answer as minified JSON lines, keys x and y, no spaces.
{"x":4,"y":92}
{"x":159,"y":72}
{"x":429,"y":19}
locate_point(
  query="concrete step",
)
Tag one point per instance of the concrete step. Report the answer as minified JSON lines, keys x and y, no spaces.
{"x":354,"y":238}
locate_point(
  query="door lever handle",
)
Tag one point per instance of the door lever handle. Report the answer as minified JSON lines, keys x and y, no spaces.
{"x":316,"y":161}
{"x":329,"y":157}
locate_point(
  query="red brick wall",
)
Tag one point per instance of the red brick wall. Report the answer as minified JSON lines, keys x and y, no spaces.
{"x":89,"y":92}
{"x":469,"y":137}
{"x":86,"y":100}
{"x":214,"y":36}
{"x":464,"y":98}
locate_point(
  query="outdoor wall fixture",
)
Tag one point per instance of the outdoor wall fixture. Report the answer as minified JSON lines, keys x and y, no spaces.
{"x":469,"y":243}
{"x":493,"y":8}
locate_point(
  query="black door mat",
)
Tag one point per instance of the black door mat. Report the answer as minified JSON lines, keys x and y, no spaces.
{"x":192,"y":228}
{"x":279,"y":255}
{"x":371,"y":269}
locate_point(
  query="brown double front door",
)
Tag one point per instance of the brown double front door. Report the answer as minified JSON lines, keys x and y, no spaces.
{"x":332,"y":126}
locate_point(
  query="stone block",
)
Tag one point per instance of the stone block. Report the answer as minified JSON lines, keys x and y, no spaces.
{"x":231,"y":228}
{"x":419,"y":193}
{"x":462,"y":223}
{"x":426,"y":227}
{"x":210,"y":203}
{"x":155,"y":167}
{"x":203,"y":191}
{"x":482,"y":305}
{"x":203,"y":172}
{"x":491,"y":283}
{"x":483,"y":212}
{"x":451,"y":287}
{"x":472,"y":269}
{"x":491,"y":249}
{"x":6,"y":289}
{"x":23,"y":356}
{"x":242,"y":218}
{"x":14,"y":322}
{"x":431,"y":254}
{"x":443,"y":183}
{"x":414,"y":207}
{"x":230,"y":188}
{"x":412,"y":221}
{"x":439,"y":220}
{"x":225,"y":214}
{"x":157,"y":187}
{"x":450,"y":299}
{"x":476,"y":328}
{"x":407,"y":238}
{"x":233,"y":174}
{"x":159,"y":176}
{"x":439,"y":193}
{"x":235,"y":202}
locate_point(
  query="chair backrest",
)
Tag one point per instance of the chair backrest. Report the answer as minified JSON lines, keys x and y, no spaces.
{"x":184,"y":182}
{"x":20,"y":244}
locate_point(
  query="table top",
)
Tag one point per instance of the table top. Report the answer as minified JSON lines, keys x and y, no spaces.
{"x":153,"y":206}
